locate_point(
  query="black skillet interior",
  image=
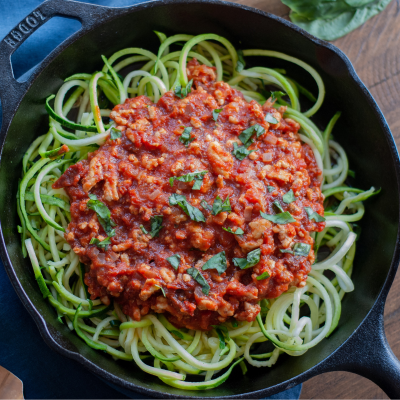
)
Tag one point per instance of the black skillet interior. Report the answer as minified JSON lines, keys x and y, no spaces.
{"x":361,"y":130}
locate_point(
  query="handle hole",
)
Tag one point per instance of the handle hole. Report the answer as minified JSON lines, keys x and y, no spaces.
{"x":42,"y":42}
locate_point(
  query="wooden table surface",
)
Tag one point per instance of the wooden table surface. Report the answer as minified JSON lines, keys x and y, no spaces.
{"x":374,"y":50}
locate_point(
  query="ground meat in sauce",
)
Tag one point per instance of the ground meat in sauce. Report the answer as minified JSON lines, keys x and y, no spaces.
{"x":131,"y":176}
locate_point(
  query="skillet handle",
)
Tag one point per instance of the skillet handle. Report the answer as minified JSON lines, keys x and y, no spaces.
{"x":11,"y":91}
{"x":368,"y":354}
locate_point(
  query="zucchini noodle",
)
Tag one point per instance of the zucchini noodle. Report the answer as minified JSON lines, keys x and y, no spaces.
{"x":294,"y":322}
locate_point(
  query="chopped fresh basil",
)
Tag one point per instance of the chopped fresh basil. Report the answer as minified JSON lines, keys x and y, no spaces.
{"x":240,"y":62}
{"x":271,"y":188}
{"x":205,"y":205}
{"x":271,"y":119}
{"x":239,"y":231}
{"x":103,"y":214}
{"x":183,"y":92}
{"x":223,"y":335}
{"x":282,"y":218}
{"x":103,"y":244}
{"x":240,"y":152}
{"x":245,"y":136}
{"x":143,"y":229}
{"x":251,"y":260}
{"x":278,"y":205}
{"x":289,"y":197}
{"x":194,"y":213}
{"x":234,"y":323}
{"x":156,"y":225}
{"x":217,"y":262}
{"x":174,"y":261}
{"x":199,"y":278}
{"x":215,"y":113}
{"x":162,"y":289}
{"x":196,"y":176}
{"x":185,"y":138}
{"x":220,"y":206}
{"x":115,"y":133}
{"x":314,"y":215}
{"x":276,"y":95}
{"x":263,"y":276}
{"x":299,"y":249}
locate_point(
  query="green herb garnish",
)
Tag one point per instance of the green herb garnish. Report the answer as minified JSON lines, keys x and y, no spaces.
{"x":289,"y":197}
{"x":174,"y":261}
{"x":115,"y":133}
{"x":199,"y":278}
{"x":183,"y":92}
{"x":156,"y":225}
{"x":271,"y":119}
{"x":251,"y":260}
{"x":263,"y":276}
{"x":299,"y":249}
{"x":194,"y":213}
{"x":240,"y":62}
{"x":185,"y":138}
{"x":282,"y":218}
{"x":220,"y":206}
{"x":215,"y":113}
{"x":205,"y":205}
{"x":103,"y":244}
{"x":271,"y":188}
{"x":239,"y":231}
{"x":217,"y":262}
{"x":278,"y":206}
{"x":245,"y":136}
{"x":241,"y":152}
{"x":143,"y":229}
{"x":314,"y":215}
{"x":196,"y":176}
{"x":103,"y":214}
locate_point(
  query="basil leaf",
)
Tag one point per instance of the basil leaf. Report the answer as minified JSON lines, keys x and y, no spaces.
{"x":221,"y":337}
{"x":246,"y":135}
{"x":220,"y":206}
{"x":183,"y":92}
{"x":194,"y":213}
{"x":162,"y":289}
{"x":174,"y":261}
{"x":240,"y":65}
{"x":196,"y":176}
{"x":263,"y":276}
{"x":278,"y":205}
{"x":205,"y":205}
{"x":271,"y":188}
{"x":276,"y":95}
{"x":103,"y":244}
{"x":330,"y":20}
{"x":251,"y":260}
{"x":185,"y":138}
{"x":240,"y":152}
{"x":156,"y":225}
{"x":282,"y":218}
{"x":314,"y":215}
{"x":115,"y":133}
{"x":239,"y":231}
{"x":199,"y":278}
{"x":271,"y":119}
{"x":217,"y":262}
{"x":215,"y":113}
{"x":103,"y":214}
{"x":289,"y":197}
{"x":234,"y":323}
{"x":301,"y":249}
{"x":143,"y":229}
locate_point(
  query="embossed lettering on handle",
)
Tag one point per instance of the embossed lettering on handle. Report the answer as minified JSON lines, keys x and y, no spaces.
{"x":33,"y":20}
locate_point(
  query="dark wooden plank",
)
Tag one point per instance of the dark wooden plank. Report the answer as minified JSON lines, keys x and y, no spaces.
{"x":374,"y":51}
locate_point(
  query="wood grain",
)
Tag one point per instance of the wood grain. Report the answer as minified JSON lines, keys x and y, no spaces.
{"x":10,"y":386}
{"x":375,"y":53}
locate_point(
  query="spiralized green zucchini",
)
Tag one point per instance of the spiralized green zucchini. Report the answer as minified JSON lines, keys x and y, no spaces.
{"x":191,"y":360}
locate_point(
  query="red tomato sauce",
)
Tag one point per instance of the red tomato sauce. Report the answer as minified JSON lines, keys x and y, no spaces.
{"x":131,"y":176}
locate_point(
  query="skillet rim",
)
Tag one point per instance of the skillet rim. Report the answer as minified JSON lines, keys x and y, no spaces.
{"x":119,"y":12}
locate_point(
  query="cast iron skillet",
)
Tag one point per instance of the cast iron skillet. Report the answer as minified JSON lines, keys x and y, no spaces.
{"x":359,"y":344}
